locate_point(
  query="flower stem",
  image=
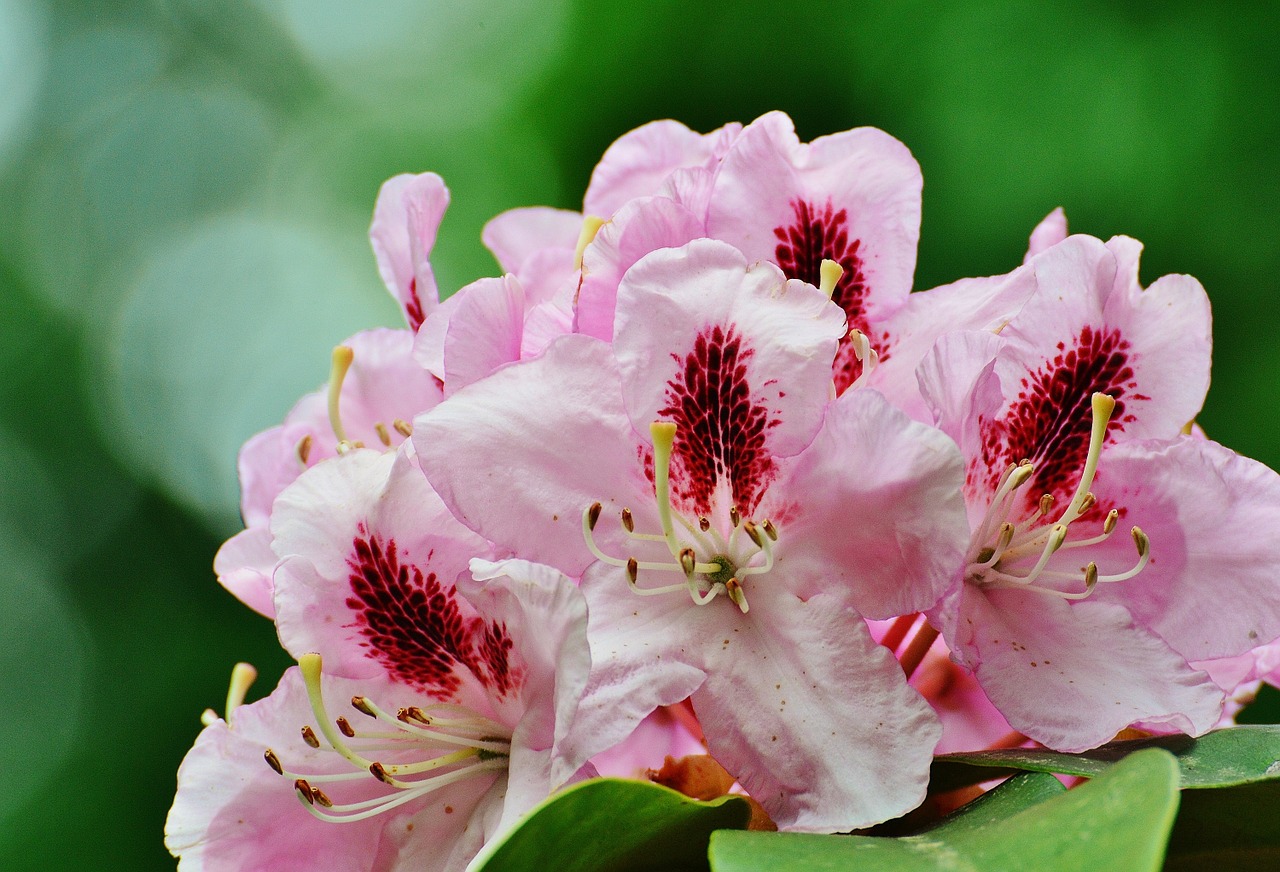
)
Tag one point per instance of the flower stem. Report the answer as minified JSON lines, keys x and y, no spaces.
{"x":898,"y":631}
{"x":918,"y":647}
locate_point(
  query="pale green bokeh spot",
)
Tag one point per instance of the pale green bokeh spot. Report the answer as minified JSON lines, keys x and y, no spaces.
{"x":24,"y":48}
{"x":219,"y":336}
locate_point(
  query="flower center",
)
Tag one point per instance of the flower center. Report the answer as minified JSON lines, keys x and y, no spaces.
{"x":432,"y":747}
{"x":1005,"y":554}
{"x":713,"y":562}
{"x":343,"y":357}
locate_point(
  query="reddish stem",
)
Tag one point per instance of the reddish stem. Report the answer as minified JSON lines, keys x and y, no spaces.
{"x":919,"y":646}
{"x":898,"y":631}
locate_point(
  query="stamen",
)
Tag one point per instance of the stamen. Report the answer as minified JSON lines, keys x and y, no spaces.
{"x":273,"y":761}
{"x":770,"y":530}
{"x":342,"y":357}
{"x":733,"y":588}
{"x":688,"y":561}
{"x":304,"y":449}
{"x":1143,"y":545}
{"x":345,"y":727}
{"x":735,"y":517}
{"x":1046,"y":504}
{"x":243,"y":675}
{"x":383,"y":436}
{"x":593,"y":515}
{"x":628,"y":522}
{"x":591,"y":225}
{"x":309,"y":736}
{"x":867,"y":356}
{"x":753,"y":534}
{"x":704,"y":524}
{"x":829,"y":273}
{"x":402,"y":428}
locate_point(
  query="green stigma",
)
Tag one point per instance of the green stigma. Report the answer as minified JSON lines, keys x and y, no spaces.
{"x":726,"y":571}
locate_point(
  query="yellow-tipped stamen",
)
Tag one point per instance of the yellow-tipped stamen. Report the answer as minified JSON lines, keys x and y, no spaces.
{"x":342,"y":357}
{"x":402,"y":428}
{"x":591,"y":225}
{"x":829,"y":273}
{"x":1143,"y":545}
{"x":208,"y":717}
{"x":383,"y":435}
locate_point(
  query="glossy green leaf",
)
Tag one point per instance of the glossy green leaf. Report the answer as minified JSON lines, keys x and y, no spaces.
{"x":1237,"y":828}
{"x":1223,"y":758}
{"x":1118,"y":821}
{"x":616,"y":825}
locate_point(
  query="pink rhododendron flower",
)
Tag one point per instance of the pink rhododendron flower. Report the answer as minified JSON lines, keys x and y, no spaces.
{"x":459,"y":689}
{"x":1070,"y":420}
{"x":752,"y":524}
{"x":375,"y":389}
{"x":852,"y":198}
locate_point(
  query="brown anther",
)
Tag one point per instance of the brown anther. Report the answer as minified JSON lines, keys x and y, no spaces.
{"x":378,"y":772}
{"x":360,"y":704}
{"x":304,"y":448}
{"x":1088,"y":502}
{"x":733,"y":586}
{"x":383,"y":435}
{"x":1046,"y":503}
{"x":309,"y":736}
{"x":304,"y":791}
{"x":1110,"y":523}
{"x":753,"y":533}
{"x":1141,"y":541}
{"x":633,"y":569}
{"x":344,"y":727}
{"x":735,"y":517}
{"x":402,"y":428}
{"x":1090,"y":575}
{"x":321,"y":799}
{"x":704,"y":524}
{"x":688,"y":561}
{"x":413,"y":713}
{"x":593,"y":515}
{"x":628,"y":522}
{"x":273,"y":761}
{"x":770,"y":530}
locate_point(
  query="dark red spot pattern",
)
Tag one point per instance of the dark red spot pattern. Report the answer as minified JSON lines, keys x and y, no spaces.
{"x":417,"y":629}
{"x":1050,"y":421}
{"x":822,"y":233}
{"x":413,"y":306}
{"x":720,"y":430}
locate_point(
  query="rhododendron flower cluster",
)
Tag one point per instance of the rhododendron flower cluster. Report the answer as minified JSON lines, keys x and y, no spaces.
{"x":700,"y":473}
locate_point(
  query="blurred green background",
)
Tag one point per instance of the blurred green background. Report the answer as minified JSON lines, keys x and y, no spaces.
{"x":186,"y":188}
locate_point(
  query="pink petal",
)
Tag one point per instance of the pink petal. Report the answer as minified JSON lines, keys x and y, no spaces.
{"x":853,"y":197}
{"x":1071,"y":676}
{"x":520,"y":455}
{"x":1051,"y":230}
{"x":638,"y":162}
{"x":545,"y":615}
{"x":403,"y":232}
{"x":640,"y":227}
{"x":244,"y":565}
{"x":369,"y":558}
{"x":517,"y":234}
{"x":906,"y":336}
{"x":1210,"y":588}
{"x":874,"y":510}
{"x":484,"y":332}
{"x":738,"y":358}
{"x":812,"y":716}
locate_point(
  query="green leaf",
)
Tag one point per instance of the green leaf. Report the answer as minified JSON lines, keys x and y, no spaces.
{"x":1237,"y":828}
{"x":1223,"y":758}
{"x":616,"y":825}
{"x":1119,"y":821}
